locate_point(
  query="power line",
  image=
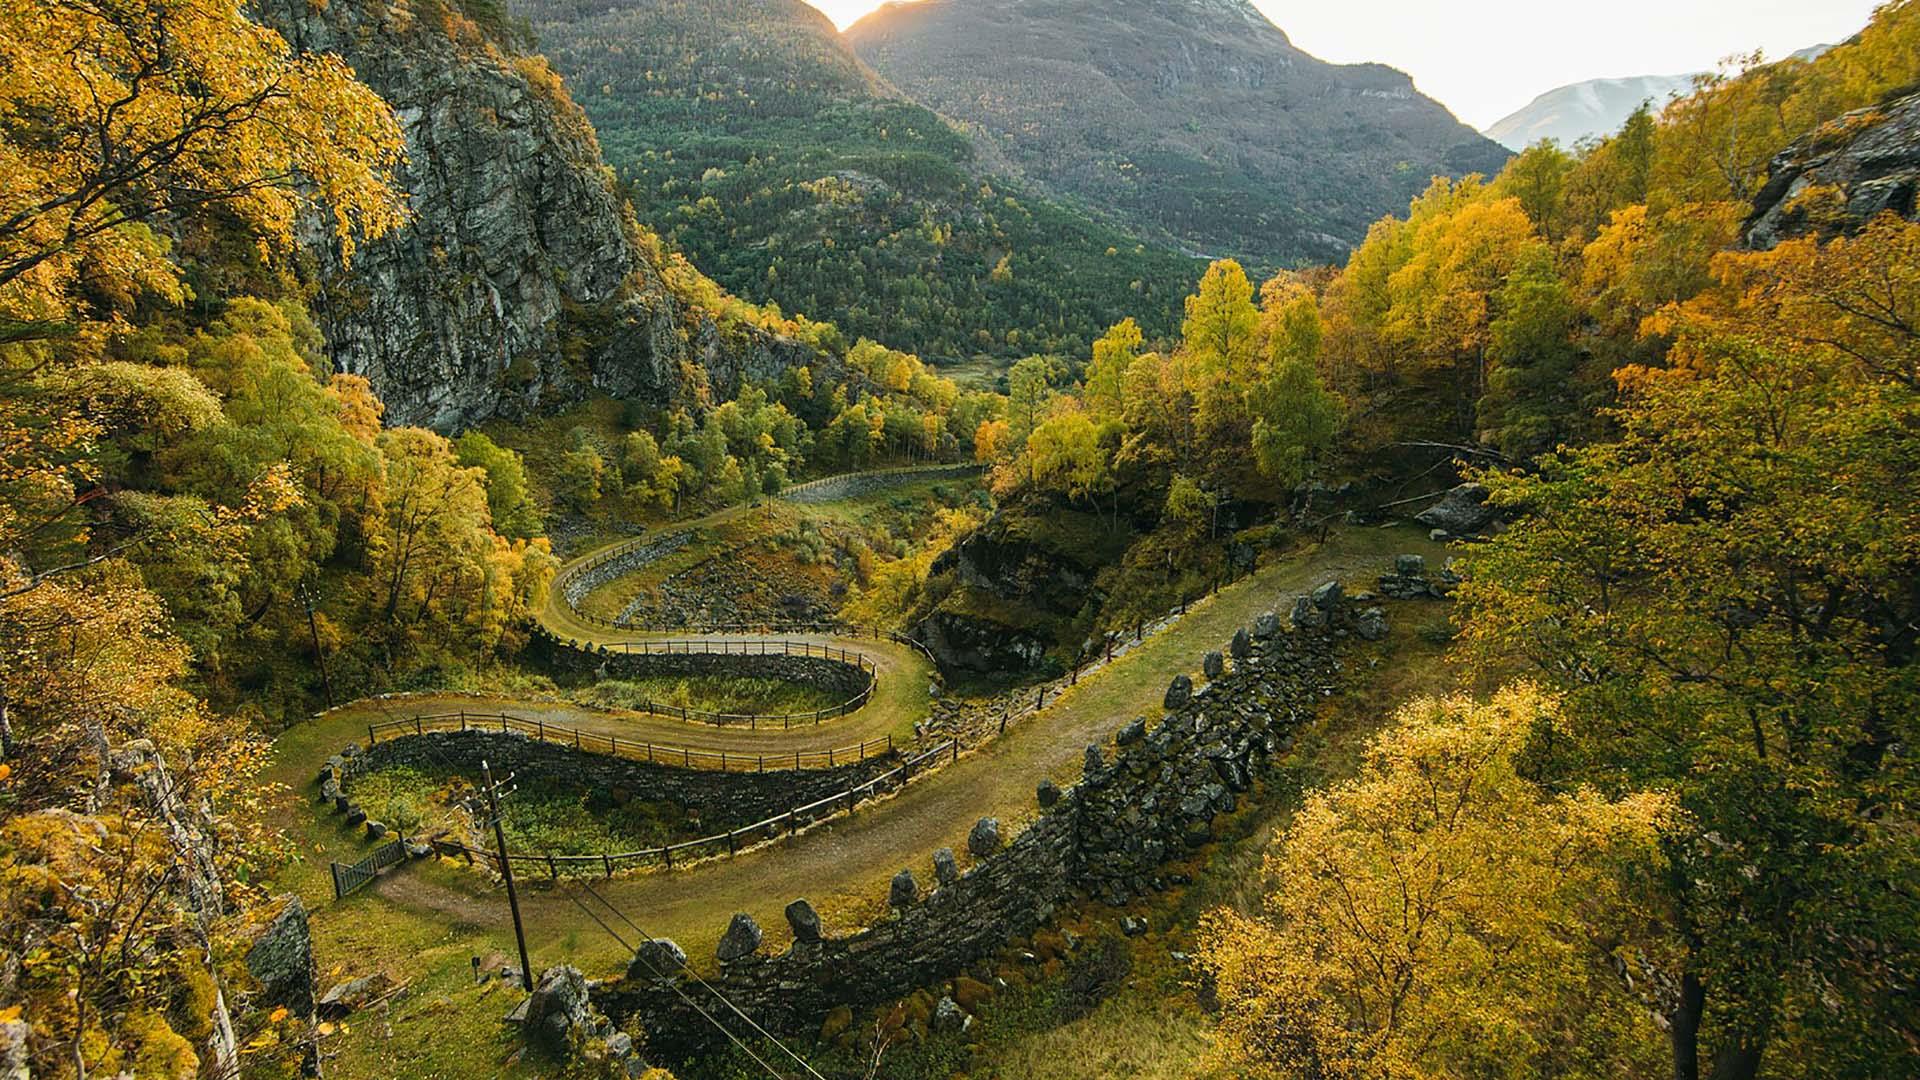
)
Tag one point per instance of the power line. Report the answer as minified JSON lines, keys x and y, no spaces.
{"x":764,"y":1033}
{"x":682,"y":994}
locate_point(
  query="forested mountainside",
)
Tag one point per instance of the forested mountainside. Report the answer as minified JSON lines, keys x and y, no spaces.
{"x":1196,"y":119}
{"x":519,"y":281}
{"x":748,"y":134}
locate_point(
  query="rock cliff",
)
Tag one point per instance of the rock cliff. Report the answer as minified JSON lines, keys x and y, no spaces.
{"x":1849,"y":171}
{"x":520,"y":282}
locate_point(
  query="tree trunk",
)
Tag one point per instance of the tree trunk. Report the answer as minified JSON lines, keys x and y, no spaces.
{"x":1683,"y":1028}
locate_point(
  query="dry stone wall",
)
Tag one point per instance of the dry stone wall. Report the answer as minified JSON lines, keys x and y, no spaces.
{"x":1109,"y":836}
{"x":724,"y":800}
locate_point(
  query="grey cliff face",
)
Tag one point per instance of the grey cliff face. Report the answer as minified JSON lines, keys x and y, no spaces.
{"x":1837,"y":179}
{"x":518,"y":284}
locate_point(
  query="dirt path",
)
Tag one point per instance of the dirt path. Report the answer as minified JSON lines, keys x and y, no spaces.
{"x":843,"y":868}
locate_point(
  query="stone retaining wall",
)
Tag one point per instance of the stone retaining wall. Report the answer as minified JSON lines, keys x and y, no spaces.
{"x":576,"y":587}
{"x":853,"y":485}
{"x":724,"y":800}
{"x":1109,"y":837}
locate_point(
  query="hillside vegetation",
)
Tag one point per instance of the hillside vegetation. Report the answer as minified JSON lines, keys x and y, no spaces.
{"x":750,"y":136}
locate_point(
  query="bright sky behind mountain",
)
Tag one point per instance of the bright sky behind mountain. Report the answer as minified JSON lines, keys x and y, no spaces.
{"x":1486,"y":59}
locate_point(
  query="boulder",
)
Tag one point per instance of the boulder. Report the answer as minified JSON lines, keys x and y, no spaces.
{"x":1410,"y":565}
{"x":281,"y":960}
{"x":946,"y":868}
{"x":1372,"y":625}
{"x":342,"y":998}
{"x":741,"y":940}
{"x":1213,"y":665}
{"x":1048,"y":793}
{"x":1241,"y":646}
{"x":1133,"y":732}
{"x":804,"y":922}
{"x":1094,"y":761}
{"x":16,"y":1051}
{"x":329,"y":789}
{"x":984,"y":839}
{"x":1266,"y":626}
{"x":656,"y":959}
{"x":949,"y":1018}
{"x":1133,"y":926}
{"x":1179,"y":692}
{"x":559,"y":1006}
{"x":355,"y":816}
{"x":1328,"y":596}
{"x":1463,"y":511}
{"x":1306,"y":616}
{"x":905,"y":891}
{"x":376,"y":830}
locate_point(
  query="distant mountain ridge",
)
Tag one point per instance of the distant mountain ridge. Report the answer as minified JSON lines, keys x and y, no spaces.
{"x":1196,"y":119}
{"x":1596,"y":107}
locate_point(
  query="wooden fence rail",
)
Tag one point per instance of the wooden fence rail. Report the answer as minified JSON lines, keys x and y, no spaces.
{"x":840,"y":803}
{"x":632,"y":749}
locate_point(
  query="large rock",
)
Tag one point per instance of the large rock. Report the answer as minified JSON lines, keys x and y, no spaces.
{"x":741,"y":940}
{"x":281,"y":960}
{"x":16,"y":1050}
{"x":342,"y":999}
{"x":656,"y":959}
{"x":1840,"y":177}
{"x":559,"y":1007}
{"x":1372,"y":624}
{"x":1213,"y":665}
{"x":1241,"y":646}
{"x":984,"y":838}
{"x":1307,"y":615}
{"x":904,"y":892}
{"x":804,"y":922}
{"x":1179,"y":692}
{"x":1266,"y":626}
{"x":1328,"y":596}
{"x":946,"y":868}
{"x":1462,"y":511}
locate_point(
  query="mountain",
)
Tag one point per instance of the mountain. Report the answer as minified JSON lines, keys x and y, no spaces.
{"x":1195,"y":119}
{"x":749,"y":135}
{"x":1584,"y":110}
{"x":519,"y":284}
{"x":1594,"y":108}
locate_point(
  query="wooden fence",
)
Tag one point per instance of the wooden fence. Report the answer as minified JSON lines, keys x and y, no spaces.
{"x":632,"y":749}
{"x":348,"y":877}
{"x":838,"y":804}
{"x":757,"y":647}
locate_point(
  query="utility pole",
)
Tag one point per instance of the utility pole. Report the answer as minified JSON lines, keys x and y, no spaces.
{"x":506,"y":872}
{"x":309,"y":599}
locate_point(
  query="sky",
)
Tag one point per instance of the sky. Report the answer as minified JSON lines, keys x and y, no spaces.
{"x":1488,"y":58}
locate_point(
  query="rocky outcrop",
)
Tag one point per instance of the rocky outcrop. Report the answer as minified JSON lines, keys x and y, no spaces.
{"x":1835,"y":180}
{"x":1007,"y":599}
{"x":520,"y":282}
